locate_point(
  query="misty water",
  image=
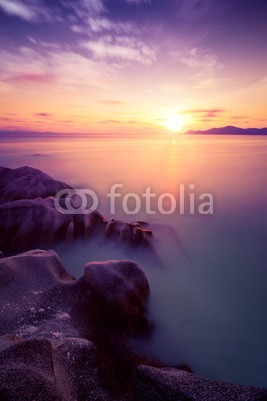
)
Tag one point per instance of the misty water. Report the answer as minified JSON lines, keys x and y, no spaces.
{"x":207,"y":273}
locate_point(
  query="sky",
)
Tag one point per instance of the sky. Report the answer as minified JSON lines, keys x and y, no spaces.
{"x":132,"y":66}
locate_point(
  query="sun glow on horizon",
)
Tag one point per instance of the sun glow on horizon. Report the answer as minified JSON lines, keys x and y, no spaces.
{"x":175,"y":123}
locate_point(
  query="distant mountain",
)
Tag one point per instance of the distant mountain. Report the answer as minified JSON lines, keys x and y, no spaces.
{"x":230,"y":130}
{"x":17,"y":133}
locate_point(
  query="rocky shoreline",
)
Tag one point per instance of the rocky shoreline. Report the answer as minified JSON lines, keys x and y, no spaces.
{"x":63,"y":339}
{"x":29,"y":218}
{"x":67,"y":339}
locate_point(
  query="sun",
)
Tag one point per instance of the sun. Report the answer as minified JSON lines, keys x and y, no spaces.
{"x":175,"y":123}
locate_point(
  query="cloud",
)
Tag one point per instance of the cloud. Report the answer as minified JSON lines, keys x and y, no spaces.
{"x":29,"y":10}
{"x":32,"y":77}
{"x":100,"y":24}
{"x":138,"y":1}
{"x":18,"y":9}
{"x":82,"y":8}
{"x":93,"y":5}
{"x":77,"y":70}
{"x":196,"y":58}
{"x":110,"y":38}
{"x":206,"y":113}
{"x":101,"y":28}
{"x":121,"y":48}
{"x":42,"y":115}
{"x":32,"y":40}
{"x":117,"y":122}
{"x":49,"y":45}
{"x":24,"y":65}
{"x":66,"y":121}
{"x":77,"y":29}
{"x":203,"y":67}
{"x":110,"y":122}
{"x":112,"y":102}
{"x":103,"y":24}
{"x":11,"y":120}
{"x":66,"y":69}
{"x":238,"y":117}
{"x":131,"y":122}
{"x":8,"y":127}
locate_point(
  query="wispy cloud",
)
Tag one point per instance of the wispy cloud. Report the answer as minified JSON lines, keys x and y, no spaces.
{"x":104,"y":24}
{"x":93,"y":5}
{"x":29,"y":10}
{"x":110,"y":38}
{"x":197,"y":58}
{"x":80,"y":10}
{"x":18,"y":9}
{"x":65,"y":69}
{"x":206,"y":113}
{"x":121,"y":48}
{"x":24,"y":65}
{"x":32,"y":77}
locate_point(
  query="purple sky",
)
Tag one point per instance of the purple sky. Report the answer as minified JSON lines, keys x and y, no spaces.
{"x":83,"y":65}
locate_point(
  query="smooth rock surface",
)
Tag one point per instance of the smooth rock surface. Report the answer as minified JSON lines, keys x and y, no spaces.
{"x":27,"y":183}
{"x":121,"y":286}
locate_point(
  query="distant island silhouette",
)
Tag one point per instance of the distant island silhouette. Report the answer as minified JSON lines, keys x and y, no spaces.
{"x":229,"y":130}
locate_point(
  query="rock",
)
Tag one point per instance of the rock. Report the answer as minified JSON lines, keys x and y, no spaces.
{"x":29,"y":218}
{"x":35,"y":296}
{"x":77,"y":360}
{"x":1,"y":255}
{"x":63,"y":339}
{"x":29,"y":223}
{"x":133,"y":232}
{"x":49,"y":371}
{"x":115,"y":289}
{"x":120,"y":286}
{"x":26,"y":372}
{"x":118,"y":291}
{"x":27,"y":183}
{"x":153,"y":384}
{"x":40,"y":300}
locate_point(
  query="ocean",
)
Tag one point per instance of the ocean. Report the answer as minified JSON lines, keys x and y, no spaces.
{"x":207,"y":272}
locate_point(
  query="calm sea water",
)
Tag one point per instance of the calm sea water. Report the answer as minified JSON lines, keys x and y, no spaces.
{"x":208,"y":274}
